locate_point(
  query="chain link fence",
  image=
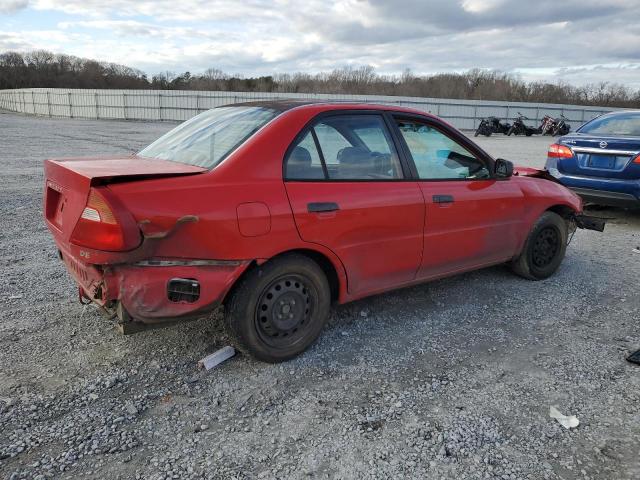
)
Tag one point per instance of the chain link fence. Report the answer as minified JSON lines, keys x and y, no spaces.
{"x":179,"y":105}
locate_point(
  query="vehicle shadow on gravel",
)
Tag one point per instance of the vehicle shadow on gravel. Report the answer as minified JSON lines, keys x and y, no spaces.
{"x":384,"y":325}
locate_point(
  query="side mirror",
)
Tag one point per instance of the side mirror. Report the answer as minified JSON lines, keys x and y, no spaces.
{"x":503,"y":168}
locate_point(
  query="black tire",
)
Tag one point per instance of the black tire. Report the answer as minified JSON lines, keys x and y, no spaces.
{"x":512,"y":129}
{"x":483,"y":129}
{"x":544,"y":249}
{"x":279,"y":308}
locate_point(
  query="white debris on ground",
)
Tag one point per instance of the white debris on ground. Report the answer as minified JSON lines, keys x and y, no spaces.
{"x":567,"y":422}
{"x":217,"y":358}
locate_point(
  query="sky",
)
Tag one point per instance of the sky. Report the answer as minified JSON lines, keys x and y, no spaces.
{"x":574,"y":41}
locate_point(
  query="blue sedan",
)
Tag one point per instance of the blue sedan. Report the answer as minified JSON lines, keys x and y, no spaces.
{"x":601,"y":160}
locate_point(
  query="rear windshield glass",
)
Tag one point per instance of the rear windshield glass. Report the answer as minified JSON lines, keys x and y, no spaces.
{"x":206,"y":139}
{"x":622,"y":124}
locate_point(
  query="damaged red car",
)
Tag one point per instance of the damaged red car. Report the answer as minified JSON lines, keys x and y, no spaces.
{"x":277,"y":210}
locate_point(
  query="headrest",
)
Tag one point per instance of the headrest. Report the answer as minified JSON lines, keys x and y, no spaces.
{"x":353,"y":156}
{"x":300,"y":156}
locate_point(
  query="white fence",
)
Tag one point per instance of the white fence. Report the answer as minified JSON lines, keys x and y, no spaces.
{"x":179,"y":105}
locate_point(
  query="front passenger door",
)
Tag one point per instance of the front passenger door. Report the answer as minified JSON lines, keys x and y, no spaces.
{"x":471,"y":218}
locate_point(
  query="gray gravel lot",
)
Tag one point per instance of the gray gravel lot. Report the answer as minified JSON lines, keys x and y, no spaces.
{"x":451,"y":379}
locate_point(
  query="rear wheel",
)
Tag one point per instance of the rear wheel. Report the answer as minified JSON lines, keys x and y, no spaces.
{"x":544,"y":249}
{"x":279,"y":308}
{"x":482,"y":129}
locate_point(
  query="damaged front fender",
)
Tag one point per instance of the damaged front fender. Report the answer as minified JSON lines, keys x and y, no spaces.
{"x":588,"y":222}
{"x":535,"y":173}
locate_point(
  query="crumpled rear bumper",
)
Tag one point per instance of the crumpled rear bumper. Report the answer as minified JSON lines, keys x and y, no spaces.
{"x":139,"y":293}
{"x":143,"y":289}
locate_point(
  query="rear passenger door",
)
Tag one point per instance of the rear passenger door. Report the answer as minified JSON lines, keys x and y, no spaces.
{"x":348,"y":191}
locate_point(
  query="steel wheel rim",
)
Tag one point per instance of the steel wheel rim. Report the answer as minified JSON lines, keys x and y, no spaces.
{"x":545,"y":247}
{"x":284,"y":311}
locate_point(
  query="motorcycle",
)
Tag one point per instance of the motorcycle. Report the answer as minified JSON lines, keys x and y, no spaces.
{"x":561,"y":126}
{"x":520,"y":128}
{"x":491,"y":125}
{"x":548,"y":124}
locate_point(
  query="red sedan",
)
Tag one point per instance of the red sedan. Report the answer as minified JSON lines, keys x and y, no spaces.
{"x":276,"y":210}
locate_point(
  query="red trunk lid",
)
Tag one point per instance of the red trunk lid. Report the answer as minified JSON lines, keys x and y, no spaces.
{"x":68,"y":181}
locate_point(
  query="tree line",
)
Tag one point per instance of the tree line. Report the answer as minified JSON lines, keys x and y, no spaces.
{"x":45,"y":69}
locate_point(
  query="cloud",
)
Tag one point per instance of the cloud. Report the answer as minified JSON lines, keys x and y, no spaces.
{"x":12,"y":6}
{"x":133,"y":28}
{"x":169,"y":10}
{"x":53,"y":40}
{"x":574,"y":40}
{"x":480,"y":6}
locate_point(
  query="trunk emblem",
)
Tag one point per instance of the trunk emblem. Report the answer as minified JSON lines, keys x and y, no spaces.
{"x":603,"y":144}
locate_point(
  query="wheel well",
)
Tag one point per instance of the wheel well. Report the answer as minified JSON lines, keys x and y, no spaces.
{"x":326,"y":266}
{"x":323,"y":262}
{"x":328,"y":269}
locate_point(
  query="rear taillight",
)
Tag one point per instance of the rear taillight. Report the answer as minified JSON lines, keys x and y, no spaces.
{"x":98,"y":227}
{"x":637,"y":159}
{"x":559,"y":151}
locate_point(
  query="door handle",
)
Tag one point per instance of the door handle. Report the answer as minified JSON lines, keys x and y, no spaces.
{"x":319,"y":207}
{"x":443,"y":199}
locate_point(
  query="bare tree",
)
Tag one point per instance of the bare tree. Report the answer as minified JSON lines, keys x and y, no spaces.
{"x":41,"y":68}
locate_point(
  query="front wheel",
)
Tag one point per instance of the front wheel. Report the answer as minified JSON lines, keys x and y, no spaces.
{"x":482,"y":129}
{"x":544,"y":249}
{"x":279,"y":309}
{"x":511,"y":130}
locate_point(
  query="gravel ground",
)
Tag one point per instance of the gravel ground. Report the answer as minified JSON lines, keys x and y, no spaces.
{"x":451,"y":379}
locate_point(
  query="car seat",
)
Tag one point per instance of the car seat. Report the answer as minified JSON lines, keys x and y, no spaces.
{"x":299,"y":165}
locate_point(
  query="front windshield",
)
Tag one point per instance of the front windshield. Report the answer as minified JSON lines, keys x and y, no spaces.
{"x":627,"y":124}
{"x":206,"y":139}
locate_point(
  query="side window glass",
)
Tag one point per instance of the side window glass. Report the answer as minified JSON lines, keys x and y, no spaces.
{"x":303,"y":162}
{"x":371,"y":137}
{"x":437,"y":156}
{"x":358,"y":147}
{"x":331,"y":142}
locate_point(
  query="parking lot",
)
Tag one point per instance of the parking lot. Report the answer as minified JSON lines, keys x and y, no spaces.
{"x":452,"y":379}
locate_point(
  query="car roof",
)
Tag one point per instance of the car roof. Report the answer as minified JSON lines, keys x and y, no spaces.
{"x":615,"y":113}
{"x":326,"y":105}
